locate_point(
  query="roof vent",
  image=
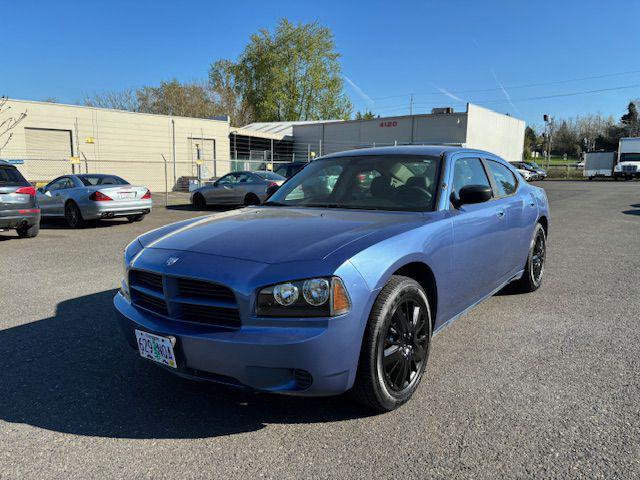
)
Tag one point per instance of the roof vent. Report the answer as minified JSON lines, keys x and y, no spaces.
{"x":441,"y":110}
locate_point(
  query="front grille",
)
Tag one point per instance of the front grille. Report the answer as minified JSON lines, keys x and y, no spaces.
{"x":149,"y":302}
{"x":225,"y":317}
{"x":184,"y":299}
{"x":204,"y":290}
{"x":145,"y":279}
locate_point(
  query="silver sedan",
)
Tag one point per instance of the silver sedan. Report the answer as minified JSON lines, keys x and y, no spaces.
{"x":237,"y":188}
{"x":79,"y":198}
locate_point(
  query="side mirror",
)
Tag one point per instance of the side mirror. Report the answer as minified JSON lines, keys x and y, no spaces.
{"x":271,"y":189}
{"x":40,"y":190}
{"x":474,"y":194}
{"x":215,"y":184}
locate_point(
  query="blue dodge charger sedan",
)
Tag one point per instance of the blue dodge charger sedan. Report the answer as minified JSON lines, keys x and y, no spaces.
{"x":340,"y":280}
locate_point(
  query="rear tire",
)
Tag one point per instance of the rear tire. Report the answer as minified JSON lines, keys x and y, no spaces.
{"x":73,"y":215}
{"x":199,"y":201}
{"x":534,"y":269}
{"x":135,"y":218}
{"x":251,"y":199}
{"x":29,"y":232}
{"x":395,"y":347}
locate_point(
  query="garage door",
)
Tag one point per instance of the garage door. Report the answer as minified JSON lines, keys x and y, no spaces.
{"x":48,"y":144}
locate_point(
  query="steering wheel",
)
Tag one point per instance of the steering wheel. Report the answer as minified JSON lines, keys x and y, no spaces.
{"x":414,"y":196}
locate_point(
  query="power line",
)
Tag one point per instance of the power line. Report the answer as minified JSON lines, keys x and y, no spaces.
{"x":527,"y":85}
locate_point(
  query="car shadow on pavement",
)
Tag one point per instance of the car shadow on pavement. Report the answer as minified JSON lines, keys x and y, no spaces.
{"x":74,"y":373}
{"x":59,"y":224}
{"x":636,"y":206}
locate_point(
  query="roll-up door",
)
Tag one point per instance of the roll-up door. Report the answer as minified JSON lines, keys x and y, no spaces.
{"x":48,"y":144}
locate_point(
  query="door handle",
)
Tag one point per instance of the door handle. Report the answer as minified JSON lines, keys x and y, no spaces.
{"x":500,"y":213}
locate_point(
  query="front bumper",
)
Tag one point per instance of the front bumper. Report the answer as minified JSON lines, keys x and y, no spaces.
{"x":314,"y":360}
{"x":10,"y":219}
{"x":97,"y":210}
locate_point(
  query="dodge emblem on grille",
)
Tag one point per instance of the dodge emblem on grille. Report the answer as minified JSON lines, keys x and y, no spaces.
{"x":171,"y":260}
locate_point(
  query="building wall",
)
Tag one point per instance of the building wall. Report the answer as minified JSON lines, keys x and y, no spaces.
{"x":477,"y":128}
{"x":127,"y":144}
{"x":495,"y":132}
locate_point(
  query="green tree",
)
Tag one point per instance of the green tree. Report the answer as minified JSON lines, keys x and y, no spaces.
{"x":366,"y":115}
{"x":630,"y":120}
{"x":171,"y":97}
{"x":290,"y":74}
{"x":227,"y":93}
{"x":530,"y":142}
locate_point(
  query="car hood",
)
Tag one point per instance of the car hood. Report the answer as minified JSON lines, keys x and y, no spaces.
{"x":278,"y":234}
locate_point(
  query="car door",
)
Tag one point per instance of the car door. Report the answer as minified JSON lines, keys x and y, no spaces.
{"x":221,"y":190}
{"x":478,"y":236}
{"x":505,"y":187}
{"x":50,"y":199}
{"x":244,"y":183}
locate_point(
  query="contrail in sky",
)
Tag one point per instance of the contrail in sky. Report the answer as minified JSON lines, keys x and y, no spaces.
{"x":506,"y":94}
{"x":359,"y":91}
{"x":450,"y":95}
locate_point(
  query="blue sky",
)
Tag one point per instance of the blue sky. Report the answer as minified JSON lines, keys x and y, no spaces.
{"x":442,"y":51}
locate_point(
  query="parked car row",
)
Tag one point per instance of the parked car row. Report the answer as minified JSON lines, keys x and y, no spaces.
{"x":530,"y":171}
{"x":74,"y":198}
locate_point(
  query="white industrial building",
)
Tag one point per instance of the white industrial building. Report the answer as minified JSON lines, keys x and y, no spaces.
{"x":55,"y":139}
{"x":476,"y":128}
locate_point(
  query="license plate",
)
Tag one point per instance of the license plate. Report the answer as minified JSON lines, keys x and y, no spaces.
{"x":127,"y":195}
{"x":158,"y":349}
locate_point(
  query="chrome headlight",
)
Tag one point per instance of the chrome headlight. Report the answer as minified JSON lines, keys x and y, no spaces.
{"x":321,"y":297}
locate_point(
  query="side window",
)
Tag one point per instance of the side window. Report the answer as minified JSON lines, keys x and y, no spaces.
{"x":227,"y":179}
{"x":505,"y":180}
{"x":55,"y":185}
{"x":468,"y":171}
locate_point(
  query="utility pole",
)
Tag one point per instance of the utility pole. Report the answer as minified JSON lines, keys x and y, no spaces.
{"x":411,"y":105}
{"x":547,"y":126}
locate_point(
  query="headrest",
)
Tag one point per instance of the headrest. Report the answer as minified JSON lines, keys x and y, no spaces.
{"x":380,"y":187}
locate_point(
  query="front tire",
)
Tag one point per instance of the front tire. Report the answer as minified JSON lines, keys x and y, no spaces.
{"x":73,"y":215}
{"x":395,"y":347}
{"x":534,"y":269}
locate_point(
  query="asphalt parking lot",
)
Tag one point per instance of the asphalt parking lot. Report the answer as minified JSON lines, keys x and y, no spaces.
{"x":544,"y":385}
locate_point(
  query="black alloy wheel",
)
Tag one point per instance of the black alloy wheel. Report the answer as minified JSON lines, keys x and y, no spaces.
{"x":404,"y":345}
{"x":72,"y":215}
{"x":534,"y":268}
{"x":395,"y":346}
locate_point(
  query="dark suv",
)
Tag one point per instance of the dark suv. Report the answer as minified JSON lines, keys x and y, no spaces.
{"x":18,"y":206}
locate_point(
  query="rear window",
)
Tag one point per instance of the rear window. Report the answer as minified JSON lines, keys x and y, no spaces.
{"x":11,"y":176}
{"x":90,"y":180}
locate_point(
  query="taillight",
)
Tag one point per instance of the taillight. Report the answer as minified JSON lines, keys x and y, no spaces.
{"x":147,"y":195}
{"x":100,"y":197}
{"x":27,"y":191}
{"x":273,"y":184}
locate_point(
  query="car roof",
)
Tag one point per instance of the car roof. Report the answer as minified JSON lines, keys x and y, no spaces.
{"x":429,"y":150}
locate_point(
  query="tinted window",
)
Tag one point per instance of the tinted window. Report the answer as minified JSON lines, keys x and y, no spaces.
{"x":504,"y":179}
{"x":11,"y":176}
{"x":90,"y":180}
{"x":468,"y":171}
{"x":58,"y":184}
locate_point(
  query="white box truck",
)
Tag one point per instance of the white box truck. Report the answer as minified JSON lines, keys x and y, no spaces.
{"x":628,"y":166}
{"x":599,"y":164}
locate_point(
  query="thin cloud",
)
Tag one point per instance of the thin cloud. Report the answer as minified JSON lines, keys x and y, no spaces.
{"x":450,"y":95}
{"x":359,"y":91}
{"x":504,"y":91}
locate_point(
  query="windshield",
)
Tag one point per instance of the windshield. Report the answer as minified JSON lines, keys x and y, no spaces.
{"x":533,"y":165}
{"x":630,"y":157}
{"x":385,"y":182}
{"x":90,"y":180}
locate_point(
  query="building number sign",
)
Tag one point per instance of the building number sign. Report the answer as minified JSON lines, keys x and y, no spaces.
{"x":389,"y":124}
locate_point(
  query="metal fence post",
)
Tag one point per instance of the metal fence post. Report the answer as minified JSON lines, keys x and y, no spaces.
{"x":166,"y":183}
{"x":308,"y":152}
